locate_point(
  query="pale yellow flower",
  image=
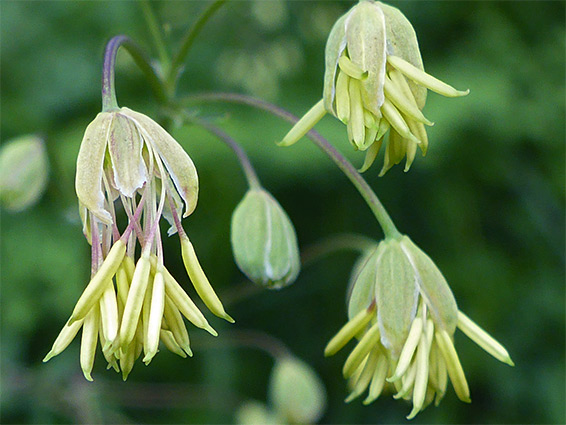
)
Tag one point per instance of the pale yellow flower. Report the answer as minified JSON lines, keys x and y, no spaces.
{"x":403,"y":313}
{"x":132,"y":302}
{"x":375,"y":83}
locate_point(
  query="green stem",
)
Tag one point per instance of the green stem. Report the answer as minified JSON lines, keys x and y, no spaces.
{"x":379,"y":211}
{"x":156,"y":34}
{"x":187,"y":42}
{"x":252,"y":339}
{"x":109,"y":101}
{"x":334,"y":243}
{"x":244,"y":160}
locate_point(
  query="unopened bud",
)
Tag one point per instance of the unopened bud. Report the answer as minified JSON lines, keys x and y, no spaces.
{"x":23,"y":172}
{"x":264,"y":241}
{"x":296,"y":392}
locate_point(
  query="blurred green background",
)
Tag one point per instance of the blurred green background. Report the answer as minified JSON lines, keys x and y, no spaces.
{"x":487,"y":204}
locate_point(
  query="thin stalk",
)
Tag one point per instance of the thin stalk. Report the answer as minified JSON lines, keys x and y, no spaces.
{"x":109,"y":101}
{"x":187,"y":43}
{"x":156,"y":34}
{"x":249,"y":338}
{"x":243,"y":159}
{"x":335,"y":243}
{"x":379,"y":211}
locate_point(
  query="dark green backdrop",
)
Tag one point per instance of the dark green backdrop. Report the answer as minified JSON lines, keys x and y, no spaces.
{"x":487,"y":204}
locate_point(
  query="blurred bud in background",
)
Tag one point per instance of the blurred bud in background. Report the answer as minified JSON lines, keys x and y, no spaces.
{"x":296,"y":396}
{"x":264,"y":241}
{"x":296,"y":392}
{"x":254,"y":412}
{"x":24,"y":169}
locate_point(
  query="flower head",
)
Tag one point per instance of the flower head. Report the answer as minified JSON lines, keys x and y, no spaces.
{"x":405,"y":316}
{"x":374,"y":83}
{"x":132,"y":304}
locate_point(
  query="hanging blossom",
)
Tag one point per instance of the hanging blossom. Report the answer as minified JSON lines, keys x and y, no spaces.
{"x":404,"y":314}
{"x":130,"y":304}
{"x":375,"y":84}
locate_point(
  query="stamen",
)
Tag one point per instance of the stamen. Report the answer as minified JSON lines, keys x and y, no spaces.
{"x":378,"y":380}
{"x":99,"y":281}
{"x":397,"y":122}
{"x":64,"y":338}
{"x":404,"y":105}
{"x":169,"y":340}
{"x":88,"y":342}
{"x":356,"y":112}
{"x":350,"y":68}
{"x":371,"y":154}
{"x":408,"y":349}
{"x":407,"y":382}
{"x":342,"y":97}
{"x":423,"y":78}
{"x":365,"y":345}
{"x":453,"y":365}
{"x":134,"y":302}
{"x":200,"y":281}
{"x":483,"y":339}
{"x":182,"y":301}
{"x":177,"y":326}
{"x":156,"y":315}
{"x":304,"y":125}
{"x":109,"y":315}
{"x":364,"y":380}
{"x":348,"y":331}
{"x":421,"y":379}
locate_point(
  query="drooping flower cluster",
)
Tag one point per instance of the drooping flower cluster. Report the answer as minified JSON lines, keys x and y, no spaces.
{"x":374,"y":83}
{"x":130,"y":305}
{"x":405,"y":316}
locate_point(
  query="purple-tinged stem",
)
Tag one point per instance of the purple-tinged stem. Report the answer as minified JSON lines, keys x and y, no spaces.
{"x":379,"y":211}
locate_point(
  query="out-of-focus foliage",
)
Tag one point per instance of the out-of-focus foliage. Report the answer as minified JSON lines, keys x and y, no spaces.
{"x":487,"y":204}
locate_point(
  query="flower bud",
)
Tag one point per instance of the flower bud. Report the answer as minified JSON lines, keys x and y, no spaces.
{"x":23,"y":172}
{"x":264,"y":241}
{"x":296,"y":392}
{"x":253,"y":412}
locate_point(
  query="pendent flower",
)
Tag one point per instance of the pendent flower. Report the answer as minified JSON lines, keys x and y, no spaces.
{"x":403,"y":313}
{"x":375,"y":84}
{"x":132,"y":303}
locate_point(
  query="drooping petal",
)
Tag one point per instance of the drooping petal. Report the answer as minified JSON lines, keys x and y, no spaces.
{"x":363,"y":292}
{"x":334,"y":47}
{"x":88,"y":180}
{"x":402,"y":41}
{"x":125,"y":147}
{"x":365,"y":34}
{"x":178,"y":163}
{"x":432,"y":286}
{"x":396,"y":296}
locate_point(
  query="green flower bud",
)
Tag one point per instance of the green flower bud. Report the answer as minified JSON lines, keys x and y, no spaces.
{"x":296,"y":392}
{"x":23,"y":172}
{"x":264,"y":241}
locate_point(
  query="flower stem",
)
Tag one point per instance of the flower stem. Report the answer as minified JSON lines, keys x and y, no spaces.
{"x":335,"y":243}
{"x":245,"y":163}
{"x":109,"y":101}
{"x":379,"y":211}
{"x":187,"y":42}
{"x":156,"y":34}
